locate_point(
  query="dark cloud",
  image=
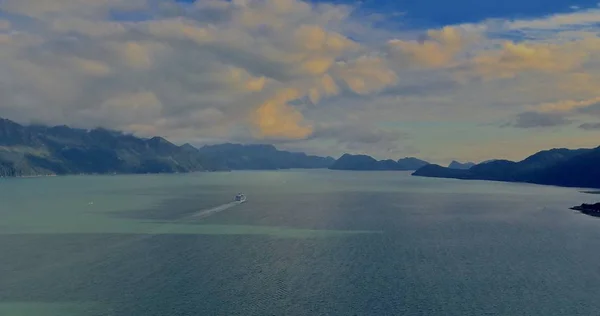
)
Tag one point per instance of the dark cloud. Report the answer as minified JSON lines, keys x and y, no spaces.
{"x":540,"y":119}
{"x":593,"y":109}
{"x":590,"y":126}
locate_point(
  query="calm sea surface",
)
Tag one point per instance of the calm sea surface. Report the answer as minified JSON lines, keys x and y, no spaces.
{"x":305,"y":243}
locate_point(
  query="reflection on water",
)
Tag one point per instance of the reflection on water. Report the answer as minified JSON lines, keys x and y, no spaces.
{"x":305,"y":243}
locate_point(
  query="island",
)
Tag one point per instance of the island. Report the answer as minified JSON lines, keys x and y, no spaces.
{"x":588,"y":209}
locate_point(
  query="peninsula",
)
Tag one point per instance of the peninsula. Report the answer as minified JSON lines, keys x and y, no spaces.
{"x":560,"y":167}
{"x":588,"y":209}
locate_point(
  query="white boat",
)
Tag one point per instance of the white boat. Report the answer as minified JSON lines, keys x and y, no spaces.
{"x":241,"y":198}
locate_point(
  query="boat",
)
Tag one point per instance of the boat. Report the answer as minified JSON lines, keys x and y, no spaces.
{"x":241,"y":198}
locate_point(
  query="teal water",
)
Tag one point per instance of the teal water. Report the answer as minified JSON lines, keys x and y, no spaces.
{"x":305,"y":243}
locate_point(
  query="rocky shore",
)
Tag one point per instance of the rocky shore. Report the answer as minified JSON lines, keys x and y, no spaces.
{"x":589,"y":209}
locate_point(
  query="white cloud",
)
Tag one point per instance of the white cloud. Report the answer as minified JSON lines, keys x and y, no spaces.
{"x":438,"y":50}
{"x":559,"y":21}
{"x":567,"y":105}
{"x":4,"y":25}
{"x":515,"y":58}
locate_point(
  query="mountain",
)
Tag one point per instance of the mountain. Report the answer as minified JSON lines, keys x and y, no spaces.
{"x":42,"y":150}
{"x":562,"y":167}
{"x":355,"y":162}
{"x":457,"y":165}
{"x":411,"y":163}
{"x":437,"y":171}
{"x":262,"y":157}
{"x":366,"y":163}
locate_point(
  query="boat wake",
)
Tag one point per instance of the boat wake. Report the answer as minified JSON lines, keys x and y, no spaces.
{"x":211,"y":211}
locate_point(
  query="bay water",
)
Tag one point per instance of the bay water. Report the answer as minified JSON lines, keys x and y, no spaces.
{"x":305,"y":243}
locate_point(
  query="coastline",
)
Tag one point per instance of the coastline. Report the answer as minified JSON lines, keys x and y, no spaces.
{"x":146,"y":173}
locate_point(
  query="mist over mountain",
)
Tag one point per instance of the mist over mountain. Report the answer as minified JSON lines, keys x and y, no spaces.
{"x":43,"y":150}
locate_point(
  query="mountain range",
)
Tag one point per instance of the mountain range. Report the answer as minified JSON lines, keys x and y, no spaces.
{"x":458,"y":165}
{"x":368,"y":163}
{"x":42,"y":150}
{"x":560,"y":166}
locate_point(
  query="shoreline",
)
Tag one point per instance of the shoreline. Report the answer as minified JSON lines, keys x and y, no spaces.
{"x":147,"y":173}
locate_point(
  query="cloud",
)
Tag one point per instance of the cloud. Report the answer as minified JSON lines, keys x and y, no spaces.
{"x":291,"y":72}
{"x":54,"y":8}
{"x":249,"y":59}
{"x":590,"y":126}
{"x":133,"y":108}
{"x":91,"y":67}
{"x":516,"y":58}
{"x":540,"y":119}
{"x":438,"y":49}
{"x":277,"y":119}
{"x":138,"y":54}
{"x":356,"y":137}
{"x":365,"y":74}
{"x":356,"y":133}
{"x":568,"y":105}
{"x":4,"y":25}
{"x":561,"y":21}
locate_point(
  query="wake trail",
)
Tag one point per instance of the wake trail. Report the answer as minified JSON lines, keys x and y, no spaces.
{"x":168,"y":227}
{"x":214,"y":210}
{"x":159,"y":230}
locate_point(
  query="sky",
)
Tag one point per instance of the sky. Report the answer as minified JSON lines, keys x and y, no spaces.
{"x":440,"y":80}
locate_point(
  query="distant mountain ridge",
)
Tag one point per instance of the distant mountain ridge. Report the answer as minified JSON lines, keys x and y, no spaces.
{"x":42,"y":150}
{"x":458,"y":165}
{"x":368,"y":163}
{"x":262,"y":157}
{"x":561,"y":167}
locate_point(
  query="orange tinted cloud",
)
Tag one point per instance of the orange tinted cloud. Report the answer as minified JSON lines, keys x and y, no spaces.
{"x":179,"y":28}
{"x":138,"y":55}
{"x":325,"y":86}
{"x":366,"y":74}
{"x":241,"y":78}
{"x":567,"y":105}
{"x":513,"y":59}
{"x":91,"y":67}
{"x":275,"y":118}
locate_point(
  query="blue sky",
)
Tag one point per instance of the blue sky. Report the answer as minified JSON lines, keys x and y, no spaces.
{"x":440,"y":80}
{"x":436,"y":13}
